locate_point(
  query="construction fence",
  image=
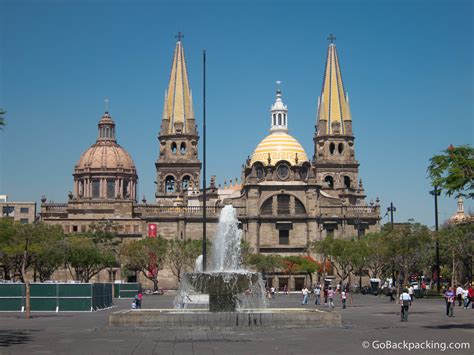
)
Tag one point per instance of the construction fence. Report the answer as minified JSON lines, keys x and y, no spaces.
{"x":127,"y":290}
{"x":56,"y":297}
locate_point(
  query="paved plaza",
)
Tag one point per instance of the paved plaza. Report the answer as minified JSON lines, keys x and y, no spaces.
{"x":370,"y":318}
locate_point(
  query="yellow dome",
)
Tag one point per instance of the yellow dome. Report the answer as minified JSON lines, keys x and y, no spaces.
{"x":280,"y":146}
{"x":106,"y":156}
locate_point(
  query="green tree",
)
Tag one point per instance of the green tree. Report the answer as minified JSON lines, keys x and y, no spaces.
{"x":340,"y":253}
{"x":456,"y":243}
{"x":308,"y":265}
{"x":7,"y":233}
{"x":49,"y":250}
{"x":2,"y":119}
{"x":86,"y":258}
{"x":453,"y":171}
{"x":266,"y":264}
{"x":291,"y":264}
{"x":377,"y":254}
{"x":147,"y":255}
{"x":182,"y":255}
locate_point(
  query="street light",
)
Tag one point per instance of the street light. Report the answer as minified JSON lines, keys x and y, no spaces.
{"x":435,"y":192}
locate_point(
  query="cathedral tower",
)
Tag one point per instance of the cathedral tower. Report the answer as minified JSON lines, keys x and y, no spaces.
{"x":177,"y":166}
{"x":334,"y":159}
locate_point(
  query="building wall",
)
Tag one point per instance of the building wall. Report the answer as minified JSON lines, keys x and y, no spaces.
{"x":23,"y":212}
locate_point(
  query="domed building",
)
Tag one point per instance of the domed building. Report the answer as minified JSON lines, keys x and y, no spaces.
{"x":285,"y":199}
{"x":105,"y":170}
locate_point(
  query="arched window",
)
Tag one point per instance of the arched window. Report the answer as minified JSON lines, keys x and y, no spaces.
{"x":340,"y":148}
{"x":274,"y":120}
{"x":347,"y":182}
{"x":185,"y":182}
{"x":279,"y":119}
{"x":174,"y":147}
{"x":329,"y":179}
{"x":332,"y":148}
{"x":169,"y":184}
{"x":182,"y":148}
{"x":284,"y":120}
{"x":299,"y":207}
{"x":267,"y":207}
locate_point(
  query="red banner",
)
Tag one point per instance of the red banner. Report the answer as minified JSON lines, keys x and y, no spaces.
{"x":152,"y":230}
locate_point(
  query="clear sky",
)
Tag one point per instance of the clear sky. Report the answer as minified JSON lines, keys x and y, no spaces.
{"x":407,"y":66}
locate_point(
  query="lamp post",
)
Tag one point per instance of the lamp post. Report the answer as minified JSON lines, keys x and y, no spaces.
{"x":436,"y":192}
{"x":204,"y":217}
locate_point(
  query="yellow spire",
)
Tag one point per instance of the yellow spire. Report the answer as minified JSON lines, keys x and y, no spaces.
{"x":178,"y":106}
{"x":334,"y":105}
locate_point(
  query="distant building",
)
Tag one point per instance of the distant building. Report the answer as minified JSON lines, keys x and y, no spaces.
{"x":23,"y":212}
{"x":285,"y":199}
{"x":460,"y":217}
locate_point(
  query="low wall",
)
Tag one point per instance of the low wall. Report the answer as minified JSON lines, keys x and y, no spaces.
{"x":203,"y":319}
{"x":56,"y":297}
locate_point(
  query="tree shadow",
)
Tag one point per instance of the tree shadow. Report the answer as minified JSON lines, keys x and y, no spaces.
{"x":15,"y":337}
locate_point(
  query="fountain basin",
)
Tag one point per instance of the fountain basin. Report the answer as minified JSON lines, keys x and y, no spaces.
{"x":222,"y":287}
{"x":203,"y":319}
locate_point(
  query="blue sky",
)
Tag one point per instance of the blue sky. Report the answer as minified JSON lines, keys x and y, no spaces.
{"x":407,"y":66}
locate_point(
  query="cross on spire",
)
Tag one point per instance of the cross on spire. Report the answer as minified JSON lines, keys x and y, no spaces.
{"x":179,"y":36}
{"x":278,"y":82}
{"x":106,"y":101}
{"x":331,"y":38}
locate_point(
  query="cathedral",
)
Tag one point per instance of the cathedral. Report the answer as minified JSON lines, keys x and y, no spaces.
{"x":284,"y":199}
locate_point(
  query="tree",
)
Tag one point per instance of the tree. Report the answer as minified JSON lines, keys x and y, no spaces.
{"x":291,"y":264}
{"x":340,"y":253}
{"x":49,"y":250}
{"x":309,"y":266}
{"x":453,"y":171}
{"x":182,"y":255}
{"x":2,"y":119}
{"x":147,"y":255}
{"x":86,"y":257}
{"x":377,"y":260}
{"x":265,"y":263}
{"x":457,"y":249}
{"x":7,"y":232}
{"x":410,"y":246}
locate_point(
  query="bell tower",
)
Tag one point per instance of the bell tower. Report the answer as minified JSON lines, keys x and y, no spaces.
{"x":334,"y":152}
{"x":177,"y":167}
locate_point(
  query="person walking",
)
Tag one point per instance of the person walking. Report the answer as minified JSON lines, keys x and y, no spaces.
{"x":330,"y":297}
{"x":391,"y":292}
{"x":470,"y":297}
{"x":465,"y":298}
{"x":325,"y":294}
{"x":449,"y":298}
{"x":285,"y":290}
{"x":305,"y":293}
{"x":343,"y":298}
{"x":317,"y":293}
{"x":139,"y":300}
{"x":405,"y":302}
{"x":459,"y":292}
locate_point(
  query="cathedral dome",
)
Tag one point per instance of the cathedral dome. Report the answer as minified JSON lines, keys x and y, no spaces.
{"x":106,"y":156}
{"x":279,"y":146}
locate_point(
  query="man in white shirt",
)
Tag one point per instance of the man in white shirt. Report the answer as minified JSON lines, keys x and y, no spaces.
{"x":317,"y":293}
{"x":305,"y":293}
{"x":459,"y":292}
{"x":405,"y":301}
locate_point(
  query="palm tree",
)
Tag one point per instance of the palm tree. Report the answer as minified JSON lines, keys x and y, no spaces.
{"x":2,"y":119}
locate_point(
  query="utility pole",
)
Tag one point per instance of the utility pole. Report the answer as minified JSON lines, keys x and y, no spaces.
{"x":436,"y":192}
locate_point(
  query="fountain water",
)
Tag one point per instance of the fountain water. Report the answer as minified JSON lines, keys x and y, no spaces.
{"x":230,"y":287}
{"x":236,"y":296}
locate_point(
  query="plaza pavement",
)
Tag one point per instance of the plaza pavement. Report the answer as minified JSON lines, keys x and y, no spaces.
{"x":371,"y":318}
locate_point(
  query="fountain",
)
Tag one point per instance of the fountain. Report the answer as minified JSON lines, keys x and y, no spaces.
{"x":236,"y":296}
{"x":226,"y":281}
